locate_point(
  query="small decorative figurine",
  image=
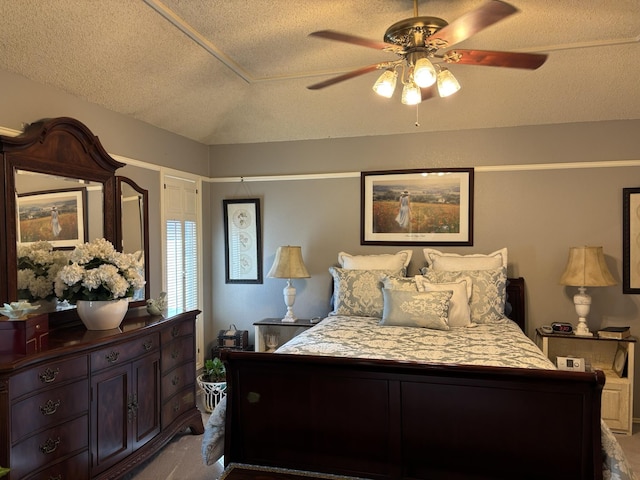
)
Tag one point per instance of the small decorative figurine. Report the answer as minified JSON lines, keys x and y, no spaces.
{"x":157,"y":306}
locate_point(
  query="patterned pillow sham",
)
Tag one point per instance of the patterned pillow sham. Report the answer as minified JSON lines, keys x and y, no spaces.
{"x":438,"y":260}
{"x":357,"y":292}
{"x":459,"y":310}
{"x":399,"y":283}
{"x":416,"y":309}
{"x":489,"y":292}
{"x":396,"y":262}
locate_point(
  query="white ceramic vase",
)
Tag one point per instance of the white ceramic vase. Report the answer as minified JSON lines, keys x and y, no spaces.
{"x":102,"y":315}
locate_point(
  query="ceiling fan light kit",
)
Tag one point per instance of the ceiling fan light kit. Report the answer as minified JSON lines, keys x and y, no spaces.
{"x":417,"y":42}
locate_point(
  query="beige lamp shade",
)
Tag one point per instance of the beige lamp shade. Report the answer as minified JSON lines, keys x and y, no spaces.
{"x":288,"y":264}
{"x":586,"y":267}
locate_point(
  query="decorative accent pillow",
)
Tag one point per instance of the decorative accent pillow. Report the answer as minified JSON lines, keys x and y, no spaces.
{"x":459,"y":310}
{"x":396,"y":262}
{"x":416,"y":309}
{"x":489,"y":292}
{"x":357,"y":292}
{"x":438,"y":260}
{"x":400,"y":283}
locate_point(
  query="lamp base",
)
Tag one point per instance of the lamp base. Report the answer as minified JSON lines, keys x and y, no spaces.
{"x":289,"y":318}
{"x":581,"y":329}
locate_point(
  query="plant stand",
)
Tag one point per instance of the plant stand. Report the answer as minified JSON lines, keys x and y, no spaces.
{"x":213,"y":393}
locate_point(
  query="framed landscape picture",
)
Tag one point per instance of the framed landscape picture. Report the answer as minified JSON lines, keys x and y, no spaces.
{"x":56,"y":216}
{"x":243,"y":247}
{"x":631,"y":240}
{"x":417,"y":207}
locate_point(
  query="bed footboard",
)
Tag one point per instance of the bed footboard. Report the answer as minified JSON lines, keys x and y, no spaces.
{"x":380,"y":419}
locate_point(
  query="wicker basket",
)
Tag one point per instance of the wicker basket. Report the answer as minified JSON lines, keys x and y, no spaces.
{"x":213,"y":393}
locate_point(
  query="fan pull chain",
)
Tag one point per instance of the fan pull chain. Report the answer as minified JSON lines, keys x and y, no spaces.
{"x":417,"y":115}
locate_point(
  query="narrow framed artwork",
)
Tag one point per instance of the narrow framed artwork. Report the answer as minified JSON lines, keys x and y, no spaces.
{"x":56,"y":216}
{"x":631,"y":240}
{"x":242,"y":237}
{"x":417,"y":207}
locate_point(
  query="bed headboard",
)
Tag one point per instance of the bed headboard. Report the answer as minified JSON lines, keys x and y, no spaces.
{"x":515,"y":297}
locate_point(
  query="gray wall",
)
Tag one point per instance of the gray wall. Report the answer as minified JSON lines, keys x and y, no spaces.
{"x":534,"y":202}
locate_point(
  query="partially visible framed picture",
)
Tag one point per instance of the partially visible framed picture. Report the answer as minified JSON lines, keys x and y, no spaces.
{"x":631,"y":240}
{"x":620,"y":359}
{"x":417,"y":207}
{"x":243,"y":246}
{"x":56,"y":216}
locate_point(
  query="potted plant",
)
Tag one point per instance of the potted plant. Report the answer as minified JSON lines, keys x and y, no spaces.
{"x":100,"y":281}
{"x":213,"y":382}
{"x":38,"y":265}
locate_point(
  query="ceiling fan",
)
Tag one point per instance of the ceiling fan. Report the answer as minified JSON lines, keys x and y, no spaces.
{"x":418,"y":42}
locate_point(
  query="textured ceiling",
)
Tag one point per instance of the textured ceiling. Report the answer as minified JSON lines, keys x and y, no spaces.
{"x":236,"y":71}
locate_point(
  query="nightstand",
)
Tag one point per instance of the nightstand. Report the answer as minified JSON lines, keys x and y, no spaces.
{"x":617,"y":395}
{"x":285,"y":330}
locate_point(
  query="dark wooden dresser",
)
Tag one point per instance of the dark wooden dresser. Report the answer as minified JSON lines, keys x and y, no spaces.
{"x":96,"y":404}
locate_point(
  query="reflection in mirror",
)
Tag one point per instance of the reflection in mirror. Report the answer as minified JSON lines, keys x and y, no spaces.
{"x":133,"y":230}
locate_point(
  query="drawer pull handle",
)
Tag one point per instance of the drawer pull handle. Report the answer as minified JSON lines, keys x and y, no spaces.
{"x":175,"y":354}
{"x":175,"y":381}
{"x":147,"y":345}
{"x":175,"y":331}
{"x":50,"y":407}
{"x":57,"y":477}
{"x":176,"y":406}
{"x":49,"y":375}
{"x":50,"y":446}
{"x":112,"y":357}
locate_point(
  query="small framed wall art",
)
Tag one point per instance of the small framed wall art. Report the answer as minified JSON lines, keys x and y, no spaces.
{"x":243,"y":245}
{"x":417,"y":207}
{"x":631,"y":240}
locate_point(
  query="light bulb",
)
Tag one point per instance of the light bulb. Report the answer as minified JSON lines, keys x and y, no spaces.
{"x":424,"y":74}
{"x":447,"y":83}
{"x":386,"y":83}
{"x":411,"y":94}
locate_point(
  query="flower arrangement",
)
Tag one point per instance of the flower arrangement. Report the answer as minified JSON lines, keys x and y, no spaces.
{"x":38,"y":266}
{"x":96,"y":271}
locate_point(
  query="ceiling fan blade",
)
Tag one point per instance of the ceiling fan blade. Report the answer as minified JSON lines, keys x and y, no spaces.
{"x":355,"y":40}
{"x":346,"y":76}
{"x":471,"y":23}
{"x":429,"y":92}
{"x":530,"y":61}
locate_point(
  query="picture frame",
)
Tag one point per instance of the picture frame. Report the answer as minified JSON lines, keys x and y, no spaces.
{"x":620,"y":359}
{"x":429,"y":206}
{"x":56,"y":216}
{"x":242,"y":240}
{"x":631,"y":240}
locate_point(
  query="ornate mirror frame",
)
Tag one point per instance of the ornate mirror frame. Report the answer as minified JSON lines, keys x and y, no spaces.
{"x":142,"y":220}
{"x":62,"y":147}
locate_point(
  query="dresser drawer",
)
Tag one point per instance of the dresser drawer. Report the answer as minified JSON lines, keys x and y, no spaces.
{"x":48,"y":408}
{"x":177,"y":352}
{"x":48,"y":446}
{"x":48,"y":375}
{"x":182,"y":329}
{"x":177,"y":405}
{"x":177,"y":379}
{"x":124,"y":352}
{"x":74,"y":468}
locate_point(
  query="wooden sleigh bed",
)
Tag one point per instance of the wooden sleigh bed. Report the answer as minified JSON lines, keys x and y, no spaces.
{"x":383,"y":418}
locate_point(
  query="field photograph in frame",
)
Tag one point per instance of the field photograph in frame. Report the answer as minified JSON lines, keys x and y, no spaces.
{"x":631,"y":240}
{"x":417,"y":207}
{"x":243,"y":248}
{"x":56,"y":216}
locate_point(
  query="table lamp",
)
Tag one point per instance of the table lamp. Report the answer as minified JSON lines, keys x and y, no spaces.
{"x":586,"y":267}
{"x":288,"y":264}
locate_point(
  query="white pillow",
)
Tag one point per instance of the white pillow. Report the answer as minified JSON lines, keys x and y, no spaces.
{"x":452,"y":262}
{"x":394,"y":261}
{"x":459,"y":309}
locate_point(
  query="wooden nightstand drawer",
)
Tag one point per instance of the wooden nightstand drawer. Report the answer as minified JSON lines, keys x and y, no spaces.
{"x":48,"y":408}
{"x":53,"y":373}
{"x":49,"y":446}
{"x":119,"y":354}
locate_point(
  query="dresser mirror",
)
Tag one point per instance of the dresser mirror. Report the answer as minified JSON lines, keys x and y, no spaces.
{"x":132,"y":210}
{"x":57,"y":162}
